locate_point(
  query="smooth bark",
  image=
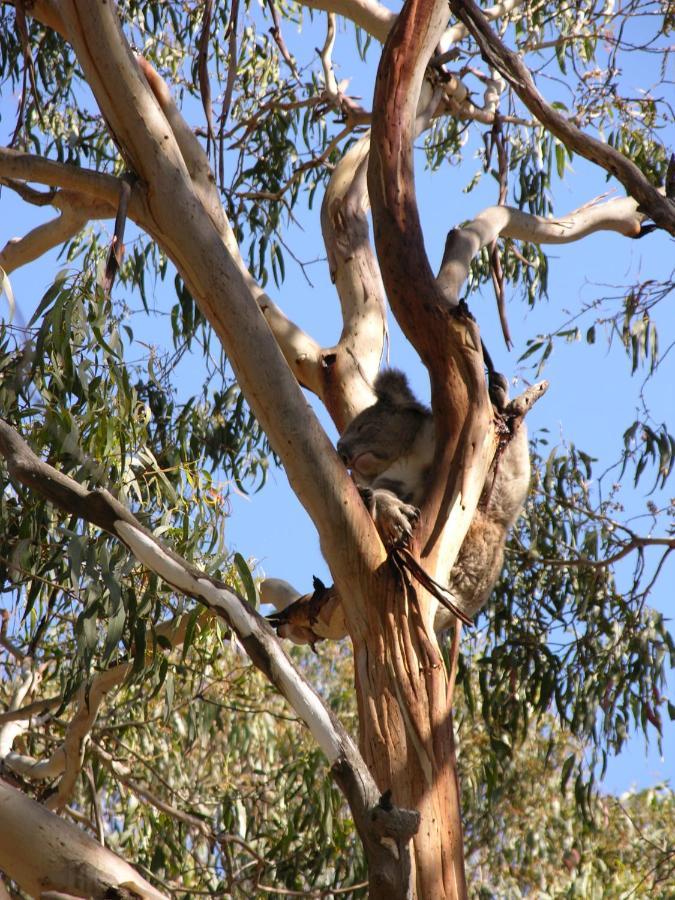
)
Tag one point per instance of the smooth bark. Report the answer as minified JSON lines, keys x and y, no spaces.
{"x":44,"y":853}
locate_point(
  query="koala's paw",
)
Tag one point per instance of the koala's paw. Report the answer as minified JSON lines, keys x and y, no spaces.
{"x":394,"y":519}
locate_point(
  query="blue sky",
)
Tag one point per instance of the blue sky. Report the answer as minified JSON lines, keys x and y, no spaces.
{"x":592,"y":394}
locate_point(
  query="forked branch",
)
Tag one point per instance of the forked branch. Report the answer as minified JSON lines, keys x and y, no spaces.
{"x":447,"y":340}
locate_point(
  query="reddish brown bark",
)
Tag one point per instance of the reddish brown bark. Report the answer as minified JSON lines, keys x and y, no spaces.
{"x":406,"y":722}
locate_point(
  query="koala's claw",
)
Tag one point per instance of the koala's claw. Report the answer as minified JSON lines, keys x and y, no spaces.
{"x":394,"y":519}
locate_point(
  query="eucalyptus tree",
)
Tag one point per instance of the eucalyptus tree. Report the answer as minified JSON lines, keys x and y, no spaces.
{"x":113,"y":495}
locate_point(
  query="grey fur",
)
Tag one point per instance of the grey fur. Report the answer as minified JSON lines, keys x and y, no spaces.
{"x":390,"y":448}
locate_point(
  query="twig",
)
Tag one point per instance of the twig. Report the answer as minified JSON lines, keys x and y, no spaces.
{"x":203,"y":72}
{"x":276,"y":33}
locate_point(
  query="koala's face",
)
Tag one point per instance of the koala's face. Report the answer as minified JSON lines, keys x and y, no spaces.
{"x":378,"y":436}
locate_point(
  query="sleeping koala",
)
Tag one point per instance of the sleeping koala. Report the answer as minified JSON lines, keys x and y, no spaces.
{"x":389,"y":448}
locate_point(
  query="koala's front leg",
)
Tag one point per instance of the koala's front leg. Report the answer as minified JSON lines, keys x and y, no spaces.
{"x":393,"y":518}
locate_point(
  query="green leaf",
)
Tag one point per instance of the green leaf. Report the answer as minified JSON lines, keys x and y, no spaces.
{"x":567,"y":771}
{"x":246,"y":579}
{"x":47,"y":299}
{"x":190,"y":630}
{"x":115,"y":630}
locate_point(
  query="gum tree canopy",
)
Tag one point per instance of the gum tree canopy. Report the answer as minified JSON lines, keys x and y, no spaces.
{"x":141,"y":754}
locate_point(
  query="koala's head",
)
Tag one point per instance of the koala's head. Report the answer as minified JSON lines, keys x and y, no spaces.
{"x":382,"y":433}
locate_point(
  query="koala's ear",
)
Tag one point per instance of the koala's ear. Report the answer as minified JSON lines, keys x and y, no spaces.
{"x":391,"y":386}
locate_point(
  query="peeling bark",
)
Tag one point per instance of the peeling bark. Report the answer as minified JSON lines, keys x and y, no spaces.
{"x":406,"y":723}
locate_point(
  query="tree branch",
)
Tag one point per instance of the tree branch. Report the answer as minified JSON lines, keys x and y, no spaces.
{"x":12,"y":728}
{"x":446,"y":339}
{"x":204,"y":255}
{"x":496,"y":54}
{"x":65,"y":860}
{"x":45,"y":11}
{"x":462,"y":244}
{"x":386,"y":859}
{"x":378,"y":20}
{"x":370,"y":15}
{"x":31,"y":168}
{"x":352,"y":365}
{"x":76,"y":210}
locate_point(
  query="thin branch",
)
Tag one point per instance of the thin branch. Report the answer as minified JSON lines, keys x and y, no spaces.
{"x":634,"y":543}
{"x":116,"y":249}
{"x":123,"y":774}
{"x":203,"y":71}
{"x":276,"y":33}
{"x":30,"y":710}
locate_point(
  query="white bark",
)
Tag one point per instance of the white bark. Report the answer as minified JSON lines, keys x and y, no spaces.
{"x":76,"y":211}
{"x":377,"y":19}
{"x":620,"y":215}
{"x":42,"y":853}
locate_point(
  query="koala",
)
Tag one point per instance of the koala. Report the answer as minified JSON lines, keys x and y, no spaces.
{"x":389,"y":448}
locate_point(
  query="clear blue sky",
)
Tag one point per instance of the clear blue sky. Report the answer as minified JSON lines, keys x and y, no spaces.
{"x":590,"y":400}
